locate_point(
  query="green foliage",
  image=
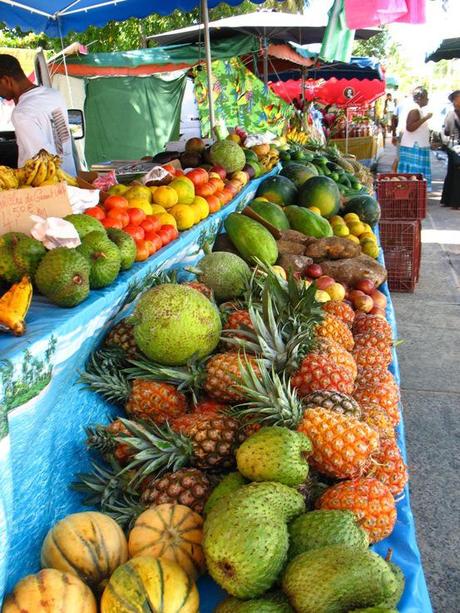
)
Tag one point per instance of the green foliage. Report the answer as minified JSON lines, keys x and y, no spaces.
{"x":377,"y":46}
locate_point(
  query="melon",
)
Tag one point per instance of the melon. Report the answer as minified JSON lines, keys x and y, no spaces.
{"x":322,"y":193}
{"x":299,"y":173}
{"x":366,"y":207}
{"x":279,"y":190}
{"x":225,"y":273}
{"x":173,"y":323}
{"x":271,"y":212}
{"x":227,"y":154}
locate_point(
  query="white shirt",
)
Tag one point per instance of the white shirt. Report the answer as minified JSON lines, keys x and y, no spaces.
{"x":40,"y":122}
{"x":419,"y":137}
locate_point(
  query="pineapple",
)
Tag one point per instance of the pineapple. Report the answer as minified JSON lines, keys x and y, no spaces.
{"x":373,"y":324}
{"x":122,"y":335}
{"x":334,"y":328}
{"x":378,"y":375}
{"x":369,"y":356}
{"x":237,"y":321}
{"x":372,"y":339}
{"x":333,"y":401}
{"x":202,"y":288}
{"x":342,"y":310}
{"x":378,"y":419}
{"x":187,"y":486}
{"x":342,"y":445}
{"x":388,"y":467}
{"x":151,"y":401}
{"x":208,"y":406}
{"x":369,"y":499}
{"x":328,"y":347}
{"x":103,"y":439}
{"x":318,"y":372}
{"x":386,"y":396}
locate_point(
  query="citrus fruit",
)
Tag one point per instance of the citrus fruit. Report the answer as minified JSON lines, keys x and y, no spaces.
{"x":355,"y":239}
{"x":367,"y":236}
{"x":351,"y":218}
{"x":367,"y":228}
{"x":370,"y":248}
{"x":165,"y":196}
{"x":184,"y":189}
{"x":141,"y":203}
{"x":184,"y":216}
{"x":202,"y":205}
{"x":314,"y":209}
{"x":157,"y":209}
{"x":356,"y":228}
{"x":322,"y":296}
{"x":340,"y":230}
{"x":337,"y":220}
{"x":166,"y":219}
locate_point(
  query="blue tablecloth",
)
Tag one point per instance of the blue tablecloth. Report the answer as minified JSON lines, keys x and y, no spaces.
{"x":43,"y":412}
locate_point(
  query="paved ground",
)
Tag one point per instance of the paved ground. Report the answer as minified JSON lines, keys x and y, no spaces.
{"x":429,"y":324}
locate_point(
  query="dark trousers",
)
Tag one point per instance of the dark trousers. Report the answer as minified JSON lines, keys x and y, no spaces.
{"x":451,"y":189}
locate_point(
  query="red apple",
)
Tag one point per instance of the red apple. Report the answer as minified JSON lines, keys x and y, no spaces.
{"x":355,"y":294}
{"x":365,"y":285}
{"x":314,"y":271}
{"x":379,"y":298}
{"x":378,"y":312}
{"x":324,"y":282}
{"x":220,"y":171}
{"x":363,"y":303}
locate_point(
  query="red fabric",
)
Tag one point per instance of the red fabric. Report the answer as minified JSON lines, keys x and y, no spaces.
{"x":331,"y":91}
{"x":373,"y":13}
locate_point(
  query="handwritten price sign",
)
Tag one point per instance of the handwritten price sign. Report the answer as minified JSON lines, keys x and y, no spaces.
{"x":17,"y":205}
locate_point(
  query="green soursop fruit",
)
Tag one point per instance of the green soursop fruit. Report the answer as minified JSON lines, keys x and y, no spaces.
{"x":228,"y":154}
{"x":84,"y":224}
{"x":265,"y":499}
{"x":244,"y":555}
{"x":63,"y":277}
{"x":225,"y":273}
{"x":104,"y":259}
{"x":275,"y":454}
{"x":19,"y":255}
{"x":323,"y":528}
{"x":229,"y":484}
{"x":394,"y":599}
{"x":337,"y":579}
{"x":126,"y":244}
{"x":173,"y":323}
{"x":269,"y":603}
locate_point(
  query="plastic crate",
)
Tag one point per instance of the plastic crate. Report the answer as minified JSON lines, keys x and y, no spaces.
{"x":404,"y":199}
{"x":401,"y":243}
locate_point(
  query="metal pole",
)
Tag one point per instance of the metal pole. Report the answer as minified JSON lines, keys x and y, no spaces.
{"x":265,"y":60}
{"x":207,"y":46}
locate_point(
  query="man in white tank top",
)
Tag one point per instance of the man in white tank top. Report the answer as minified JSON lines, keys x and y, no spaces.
{"x":414,"y":151}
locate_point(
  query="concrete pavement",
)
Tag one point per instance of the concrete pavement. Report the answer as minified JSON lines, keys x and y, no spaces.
{"x":429,"y":326}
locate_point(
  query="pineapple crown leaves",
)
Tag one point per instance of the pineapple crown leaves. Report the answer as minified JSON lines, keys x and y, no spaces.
{"x":270,"y":398}
{"x":104,"y":374}
{"x":156,"y":449}
{"x":99,"y":439}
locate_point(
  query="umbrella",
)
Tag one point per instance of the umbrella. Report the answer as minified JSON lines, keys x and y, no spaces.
{"x":449,"y":49}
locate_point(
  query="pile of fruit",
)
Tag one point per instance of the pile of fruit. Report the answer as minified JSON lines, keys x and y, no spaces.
{"x":256,"y":440}
{"x":43,"y":169}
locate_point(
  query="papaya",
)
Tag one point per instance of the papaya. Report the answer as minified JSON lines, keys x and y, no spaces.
{"x":299,"y":173}
{"x":279,"y":190}
{"x":271,"y":212}
{"x":321,"y":192}
{"x":307,"y":222}
{"x":252,"y":240}
{"x":366,"y":207}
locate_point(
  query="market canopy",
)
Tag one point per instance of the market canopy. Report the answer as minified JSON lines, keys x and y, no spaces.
{"x":449,"y":49}
{"x":271,"y":25}
{"x":341,"y":92}
{"x":361,"y":68}
{"x":59,"y":17}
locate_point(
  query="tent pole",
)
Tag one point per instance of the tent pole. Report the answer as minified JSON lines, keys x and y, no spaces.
{"x":265,"y":60}
{"x":207,"y":46}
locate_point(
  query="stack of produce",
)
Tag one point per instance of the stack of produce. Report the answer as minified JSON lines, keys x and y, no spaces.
{"x":43,"y":169}
{"x":255,"y":440}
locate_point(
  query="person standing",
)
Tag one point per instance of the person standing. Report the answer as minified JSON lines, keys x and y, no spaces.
{"x":414,"y":150}
{"x":451,"y":188}
{"x":39,"y":118}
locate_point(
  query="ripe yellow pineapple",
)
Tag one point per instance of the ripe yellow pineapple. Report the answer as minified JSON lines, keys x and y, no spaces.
{"x":389,"y":467}
{"x":187,"y":486}
{"x":378,"y":419}
{"x":334,"y":328}
{"x":155,"y":402}
{"x":342,"y":310}
{"x":374,"y":324}
{"x":320,"y":372}
{"x":222,"y":376}
{"x":329,"y":347}
{"x":386,"y":396}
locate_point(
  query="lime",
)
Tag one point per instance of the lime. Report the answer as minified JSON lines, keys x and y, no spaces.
{"x":336,"y":220}
{"x":367,"y":236}
{"x":340,"y":230}
{"x":370,"y":248}
{"x":356,"y":228}
{"x":351,"y":218}
{"x":355,"y":239}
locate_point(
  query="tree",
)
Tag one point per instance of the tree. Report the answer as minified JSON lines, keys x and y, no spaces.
{"x":377,"y":46}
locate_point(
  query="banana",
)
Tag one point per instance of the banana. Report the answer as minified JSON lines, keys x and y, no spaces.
{"x":41,"y":173}
{"x":30,"y":170}
{"x":14,"y":306}
{"x":51,"y":170}
{"x":64,"y":176}
{"x":8,"y":177}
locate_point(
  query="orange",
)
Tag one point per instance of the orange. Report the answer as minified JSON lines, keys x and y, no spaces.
{"x":196,"y":212}
{"x":165,"y":196}
{"x":141,"y":203}
{"x":184,"y":216}
{"x":157,"y":209}
{"x":166,"y":219}
{"x":184,"y":189}
{"x":202,"y":205}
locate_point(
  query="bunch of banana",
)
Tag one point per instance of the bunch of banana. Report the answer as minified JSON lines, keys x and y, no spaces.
{"x":8,"y":179}
{"x":43,"y":169}
{"x":14,"y":306}
{"x":296,"y":136}
{"x":269,"y":160}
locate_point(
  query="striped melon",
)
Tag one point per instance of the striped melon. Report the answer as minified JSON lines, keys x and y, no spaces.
{"x":90,"y":545}
{"x":50,"y":591}
{"x":148,"y":584}
{"x":170,"y":532}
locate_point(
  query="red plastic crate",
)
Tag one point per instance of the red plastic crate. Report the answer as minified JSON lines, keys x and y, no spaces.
{"x":401,"y":243}
{"x":401,"y":199}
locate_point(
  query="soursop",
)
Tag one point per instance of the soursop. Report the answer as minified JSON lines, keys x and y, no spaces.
{"x":269,"y":603}
{"x":229,"y":484}
{"x":275,"y":454}
{"x":225,"y":273}
{"x":84,"y":224}
{"x":337,"y":578}
{"x":228,"y":154}
{"x":322,"y":528}
{"x":63,"y":277}
{"x":104,"y":259}
{"x":19,"y":255}
{"x":126,"y":244}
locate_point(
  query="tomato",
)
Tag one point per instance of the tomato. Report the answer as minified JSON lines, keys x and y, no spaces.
{"x":231,"y":187}
{"x":198,"y":176}
{"x":154,"y":238}
{"x":96,"y":211}
{"x":207,"y":189}
{"x":111,"y":223}
{"x":179,"y":172}
{"x":214,"y":204}
{"x":218,"y":183}
{"x":170,"y":169}
{"x":151,"y":224}
{"x":224,"y":197}
{"x":136,"y":216}
{"x":228,"y":193}
{"x":150,"y":246}
{"x":142,"y":250}
{"x":119,"y":215}
{"x":116,"y":202}
{"x":167,"y":234}
{"x":135,"y":231}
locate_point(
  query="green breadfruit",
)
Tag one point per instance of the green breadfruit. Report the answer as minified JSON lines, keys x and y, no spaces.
{"x":84,"y":224}
{"x":323,"y":528}
{"x":245,"y":555}
{"x":104,"y":259}
{"x":19,"y":255}
{"x":126,"y":244}
{"x":337,"y":578}
{"x":275,"y":454}
{"x":63,"y":277}
{"x":225,"y":273}
{"x":229,"y":484}
{"x":228,"y":154}
{"x":269,"y":603}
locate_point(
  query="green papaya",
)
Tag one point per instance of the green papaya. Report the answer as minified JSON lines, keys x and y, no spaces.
{"x":252,"y":240}
{"x":271,"y":212}
{"x":307,"y":222}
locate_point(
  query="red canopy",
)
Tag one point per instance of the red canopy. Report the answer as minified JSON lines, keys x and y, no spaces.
{"x":341,"y":92}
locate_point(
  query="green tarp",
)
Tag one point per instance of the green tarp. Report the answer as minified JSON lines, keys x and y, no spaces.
{"x":129,"y":117}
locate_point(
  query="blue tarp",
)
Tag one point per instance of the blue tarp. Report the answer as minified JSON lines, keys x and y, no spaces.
{"x":59,"y":17}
